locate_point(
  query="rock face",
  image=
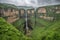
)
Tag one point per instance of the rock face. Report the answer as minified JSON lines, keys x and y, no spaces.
{"x":11,"y":14}
{"x":41,"y":10}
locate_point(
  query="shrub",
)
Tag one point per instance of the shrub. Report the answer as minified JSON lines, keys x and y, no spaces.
{"x":9,"y":32}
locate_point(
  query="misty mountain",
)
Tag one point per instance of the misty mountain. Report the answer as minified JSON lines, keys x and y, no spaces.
{"x":6,"y":5}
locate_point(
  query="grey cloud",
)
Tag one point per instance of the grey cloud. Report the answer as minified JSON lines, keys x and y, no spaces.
{"x":34,"y":3}
{"x":57,"y":0}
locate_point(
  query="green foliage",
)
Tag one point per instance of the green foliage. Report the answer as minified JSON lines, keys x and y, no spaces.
{"x":52,"y":32}
{"x":9,"y":32}
{"x":19,"y":24}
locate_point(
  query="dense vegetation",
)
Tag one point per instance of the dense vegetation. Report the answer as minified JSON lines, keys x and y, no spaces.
{"x":48,"y":32}
{"x":19,"y":24}
{"x":9,"y":32}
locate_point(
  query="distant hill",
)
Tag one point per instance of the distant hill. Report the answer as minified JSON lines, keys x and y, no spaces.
{"x":5,"y":5}
{"x":50,"y":5}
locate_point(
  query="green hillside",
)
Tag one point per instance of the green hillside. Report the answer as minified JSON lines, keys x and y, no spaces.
{"x":50,"y":32}
{"x":9,"y":32}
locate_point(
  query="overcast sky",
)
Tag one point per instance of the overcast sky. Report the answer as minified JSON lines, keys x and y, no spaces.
{"x":34,"y":3}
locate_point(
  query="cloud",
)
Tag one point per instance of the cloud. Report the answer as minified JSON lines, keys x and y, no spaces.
{"x":57,"y":0}
{"x":34,"y":3}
